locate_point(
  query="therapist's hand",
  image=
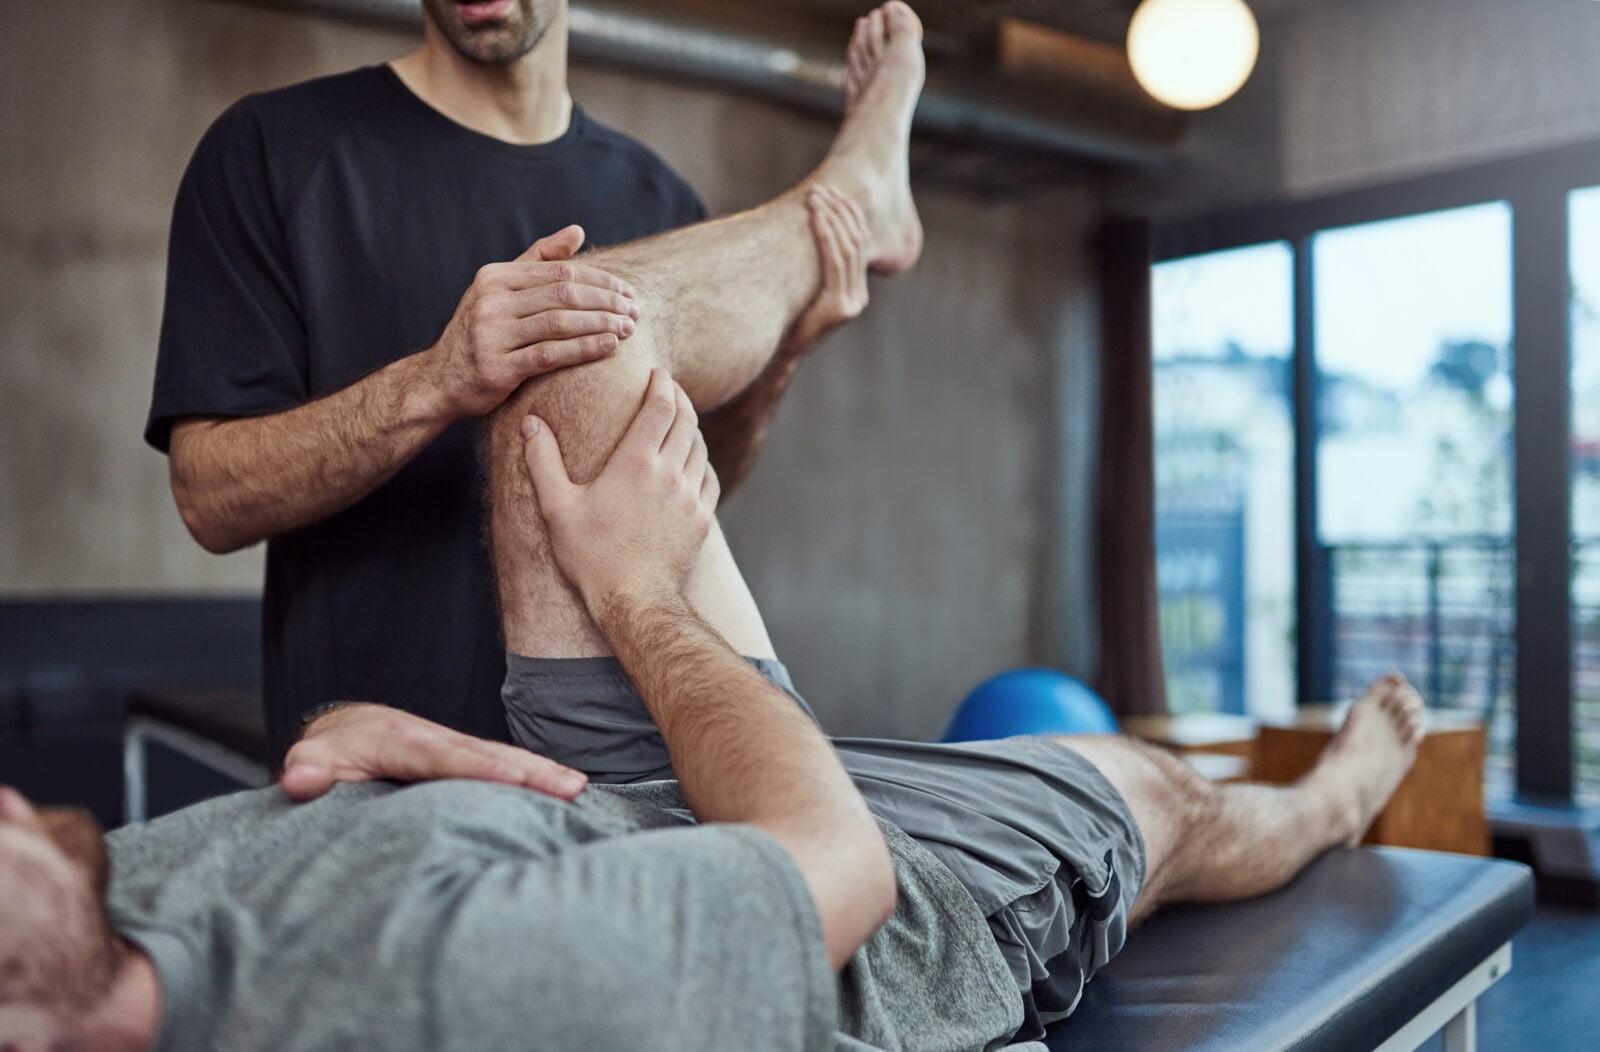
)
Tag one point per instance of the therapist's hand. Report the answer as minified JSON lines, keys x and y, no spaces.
{"x":539,"y":312}
{"x":362,"y":742}
{"x":637,"y":527}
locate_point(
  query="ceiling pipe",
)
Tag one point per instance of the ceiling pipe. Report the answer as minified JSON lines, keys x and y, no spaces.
{"x":1082,"y":122}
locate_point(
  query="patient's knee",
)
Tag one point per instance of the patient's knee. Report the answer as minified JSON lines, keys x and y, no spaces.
{"x":1190,"y":797}
{"x":587,"y":407}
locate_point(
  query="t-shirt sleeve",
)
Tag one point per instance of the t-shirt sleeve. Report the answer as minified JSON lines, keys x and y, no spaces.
{"x":690,"y":208}
{"x":703,"y":937}
{"x":233,"y":342}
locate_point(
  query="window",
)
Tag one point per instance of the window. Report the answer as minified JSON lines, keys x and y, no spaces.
{"x":1584,"y":240}
{"x":1414,"y":459}
{"x":1444,"y":474}
{"x":1224,"y":333}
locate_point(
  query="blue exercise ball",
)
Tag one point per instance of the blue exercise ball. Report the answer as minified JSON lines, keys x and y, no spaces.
{"x":1029,"y":701}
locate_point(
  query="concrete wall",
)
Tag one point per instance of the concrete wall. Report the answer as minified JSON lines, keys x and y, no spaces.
{"x":896,"y":533}
{"x":1383,"y":89}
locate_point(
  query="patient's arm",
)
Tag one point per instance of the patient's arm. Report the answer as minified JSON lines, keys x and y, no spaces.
{"x":742,"y":750}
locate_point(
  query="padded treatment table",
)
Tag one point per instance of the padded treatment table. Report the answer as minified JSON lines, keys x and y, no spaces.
{"x":1375,"y":948}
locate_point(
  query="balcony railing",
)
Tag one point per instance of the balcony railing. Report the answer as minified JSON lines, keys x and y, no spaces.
{"x":1444,"y":613}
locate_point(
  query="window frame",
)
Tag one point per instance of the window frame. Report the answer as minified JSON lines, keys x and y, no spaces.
{"x":1537,"y":188}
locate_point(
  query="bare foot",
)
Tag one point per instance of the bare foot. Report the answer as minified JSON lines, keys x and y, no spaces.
{"x":1364,"y":763}
{"x":869,"y":160}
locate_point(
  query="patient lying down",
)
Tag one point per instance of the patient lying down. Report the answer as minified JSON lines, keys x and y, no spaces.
{"x":470,"y":910}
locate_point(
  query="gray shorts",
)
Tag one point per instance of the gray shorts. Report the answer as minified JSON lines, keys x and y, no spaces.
{"x":1046,"y":847}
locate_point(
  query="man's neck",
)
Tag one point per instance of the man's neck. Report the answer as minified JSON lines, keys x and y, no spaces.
{"x":130,"y":1015}
{"x":525,"y":101}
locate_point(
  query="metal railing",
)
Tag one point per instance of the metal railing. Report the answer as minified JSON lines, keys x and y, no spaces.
{"x":1444,"y":612}
{"x":1441,"y":611}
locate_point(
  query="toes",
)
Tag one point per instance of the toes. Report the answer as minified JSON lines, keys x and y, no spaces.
{"x":859,"y":43}
{"x":855,"y":70}
{"x":899,"y":18}
{"x":869,"y":45}
{"x":880,"y":30}
{"x":1404,"y":707}
{"x":1396,"y":707}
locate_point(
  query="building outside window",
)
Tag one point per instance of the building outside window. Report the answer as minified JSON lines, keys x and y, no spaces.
{"x":1584,"y":241}
{"x":1224,"y":334}
{"x":1415,"y":408}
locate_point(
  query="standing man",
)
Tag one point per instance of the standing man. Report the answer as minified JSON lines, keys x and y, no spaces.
{"x":339,"y":312}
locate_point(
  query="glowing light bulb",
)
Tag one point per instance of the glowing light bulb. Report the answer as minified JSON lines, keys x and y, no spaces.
{"x":1193,"y":54}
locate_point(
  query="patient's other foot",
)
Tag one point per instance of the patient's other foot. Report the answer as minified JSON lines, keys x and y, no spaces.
{"x":1365,"y":762}
{"x":869,"y":160}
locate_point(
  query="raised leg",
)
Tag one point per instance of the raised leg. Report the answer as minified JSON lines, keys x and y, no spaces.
{"x":715,"y":302}
{"x":1206,"y":842}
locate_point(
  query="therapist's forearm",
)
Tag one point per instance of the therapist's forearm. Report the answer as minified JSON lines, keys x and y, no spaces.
{"x":743,"y":751}
{"x":241,"y":480}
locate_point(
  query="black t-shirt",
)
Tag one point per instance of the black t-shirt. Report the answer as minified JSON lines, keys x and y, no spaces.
{"x":320,"y":232}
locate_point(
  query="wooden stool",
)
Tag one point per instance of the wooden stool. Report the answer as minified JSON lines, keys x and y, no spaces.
{"x":1439,"y":805}
{"x":1196,"y":732}
{"x":1218,"y":745}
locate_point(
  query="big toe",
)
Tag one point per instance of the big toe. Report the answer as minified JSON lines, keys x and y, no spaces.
{"x":900,"y":19}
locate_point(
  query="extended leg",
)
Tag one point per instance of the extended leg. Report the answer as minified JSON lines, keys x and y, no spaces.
{"x":1206,"y":842}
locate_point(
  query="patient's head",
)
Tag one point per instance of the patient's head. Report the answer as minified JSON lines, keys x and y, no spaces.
{"x":58,"y":953}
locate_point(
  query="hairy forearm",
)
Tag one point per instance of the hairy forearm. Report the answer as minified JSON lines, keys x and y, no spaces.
{"x":738,"y":743}
{"x":241,"y":480}
{"x":744,"y":752}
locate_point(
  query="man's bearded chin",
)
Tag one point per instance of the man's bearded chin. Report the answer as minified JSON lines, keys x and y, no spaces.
{"x":59,"y":954}
{"x":79,"y":837}
{"x":498,"y":43}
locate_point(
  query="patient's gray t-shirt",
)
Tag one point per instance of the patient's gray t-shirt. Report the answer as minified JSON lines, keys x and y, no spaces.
{"x":464,"y":915}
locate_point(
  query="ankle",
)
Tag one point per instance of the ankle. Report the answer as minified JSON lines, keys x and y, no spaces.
{"x":1332,"y":804}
